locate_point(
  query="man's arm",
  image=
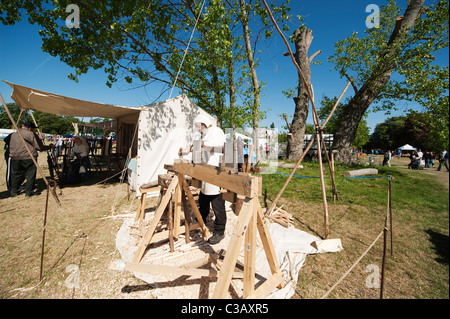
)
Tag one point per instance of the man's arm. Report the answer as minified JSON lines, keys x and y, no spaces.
{"x":39,"y":145}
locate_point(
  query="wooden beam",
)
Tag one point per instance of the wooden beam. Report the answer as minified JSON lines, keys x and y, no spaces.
{"x":164,"y":235}
{"x":268,"y":286}
{"x":237,"y":183}
{"x":159,"y":211}
{"x":267,"y":240}
{"x":177,"y":211}
{"x":233,"y":250}
{"x":193,"y":204}
{"x":250,"y":256}
{"x":166,"y":269}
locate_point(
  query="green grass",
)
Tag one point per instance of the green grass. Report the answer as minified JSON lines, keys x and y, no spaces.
{"x":419,"y":267}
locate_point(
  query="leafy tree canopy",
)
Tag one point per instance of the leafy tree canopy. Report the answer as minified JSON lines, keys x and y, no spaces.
{"x":417,"y":77}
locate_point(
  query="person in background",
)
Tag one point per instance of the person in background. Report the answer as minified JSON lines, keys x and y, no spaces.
{"x":443,"y":159}
{"x":419,"y":156}
{"x":77,"y":167}
{"x":7,"y":140}
{"x":22,"y":165}
{"x":387,"y":158}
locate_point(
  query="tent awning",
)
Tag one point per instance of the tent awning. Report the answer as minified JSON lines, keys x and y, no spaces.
{"x":32,"y":99}
{"x":407,"y":147}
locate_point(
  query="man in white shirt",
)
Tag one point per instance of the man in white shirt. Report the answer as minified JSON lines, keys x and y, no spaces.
{"x":419,"y":155}
{"x":213,"y":140}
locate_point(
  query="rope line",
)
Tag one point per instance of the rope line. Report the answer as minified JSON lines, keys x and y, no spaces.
{"x":351,"y":268}
{"x":187,"y":47}
{"x":354,"y":177}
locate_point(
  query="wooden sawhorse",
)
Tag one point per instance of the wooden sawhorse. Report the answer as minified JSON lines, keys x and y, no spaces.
{"x":251,"y":220}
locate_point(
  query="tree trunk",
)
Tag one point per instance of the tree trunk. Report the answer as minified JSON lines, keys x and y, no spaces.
{"x":256,"y":89}
{"x":303,"y":39}
{"x":358,"y":105}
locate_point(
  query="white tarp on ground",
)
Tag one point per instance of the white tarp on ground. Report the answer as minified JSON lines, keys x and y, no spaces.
{"x":291,"y":245}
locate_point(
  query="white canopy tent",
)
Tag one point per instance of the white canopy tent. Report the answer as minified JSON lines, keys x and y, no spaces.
{"x":163,"y":127}
{"x":407,"y":147}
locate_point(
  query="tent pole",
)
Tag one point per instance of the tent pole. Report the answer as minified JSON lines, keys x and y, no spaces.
{"x":20,"y":114}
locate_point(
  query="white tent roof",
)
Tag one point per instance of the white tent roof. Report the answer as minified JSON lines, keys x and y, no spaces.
{"x":407,"y":147}
{"x":32,"y":99}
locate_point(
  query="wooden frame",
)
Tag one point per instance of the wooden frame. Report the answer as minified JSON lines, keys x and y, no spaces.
{"x":251,"y":220}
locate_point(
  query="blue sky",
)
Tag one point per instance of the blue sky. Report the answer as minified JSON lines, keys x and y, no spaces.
{"x":23,"y":62}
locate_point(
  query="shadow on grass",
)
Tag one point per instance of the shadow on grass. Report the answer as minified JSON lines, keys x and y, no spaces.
{"x":441,"y":245}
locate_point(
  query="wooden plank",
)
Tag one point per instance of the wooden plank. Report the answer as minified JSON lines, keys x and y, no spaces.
{"x":177,"y":212}
{"x":166,"y":269}
{"x":164,"y":235}
{"x":250,"y":256}
{"x":193,"y":204}
{"x":187,"y":215}
{"x":234,"y":247}
{"x":237,"y":183}
{"x":159,"y":211}
{"x":267,"y":240}
{"x":170,"y":223}
{"x":268,"y":286}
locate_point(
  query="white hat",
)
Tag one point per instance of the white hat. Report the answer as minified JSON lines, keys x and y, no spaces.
{"x":202,"y":118}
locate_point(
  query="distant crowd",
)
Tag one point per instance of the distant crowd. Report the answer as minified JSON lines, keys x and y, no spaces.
{"x":419,"y":159}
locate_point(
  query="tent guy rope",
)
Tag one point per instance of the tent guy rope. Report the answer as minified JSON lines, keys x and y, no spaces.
{"x":187,"y":47}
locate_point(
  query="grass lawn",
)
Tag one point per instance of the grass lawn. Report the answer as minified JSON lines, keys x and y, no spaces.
{"x":82,"y":232}
{"x":419,"y":266}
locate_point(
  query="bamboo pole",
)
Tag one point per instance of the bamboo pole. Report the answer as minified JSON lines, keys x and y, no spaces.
{"x":249,"y":159}
{"x":335,"y":192}
{"x":43,"y":235}
{"x":383,"y":263}
{"x":170,"y":221}
{"x":272,"y":207}
{"x":319,"y":154}
{"x":315,"y":117}
{"x":390,"y":211}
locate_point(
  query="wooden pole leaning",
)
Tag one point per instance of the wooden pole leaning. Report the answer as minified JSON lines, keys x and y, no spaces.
{"x":273,"y":205}
{"x":251,"y":220}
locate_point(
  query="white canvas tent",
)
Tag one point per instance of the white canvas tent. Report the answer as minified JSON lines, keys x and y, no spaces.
{"x":407,"y":147}
{"x":163,"y":127}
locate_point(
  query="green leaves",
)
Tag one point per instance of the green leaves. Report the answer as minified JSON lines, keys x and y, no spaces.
{"x":141,"y":41}
{"x":416,"y":76}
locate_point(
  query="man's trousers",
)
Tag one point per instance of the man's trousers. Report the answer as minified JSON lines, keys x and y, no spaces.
{"x":20,"y":170}
{"x":218,"y":206}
